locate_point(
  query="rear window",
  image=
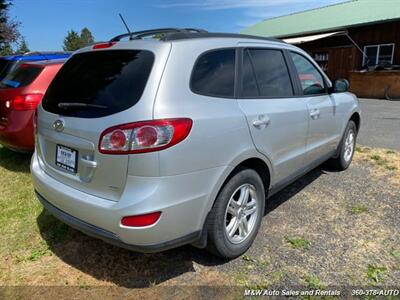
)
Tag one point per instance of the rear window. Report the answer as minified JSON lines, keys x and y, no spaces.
{"x":98,"y":84}
{"x":214,"y":74}
{"x":20,"y":77}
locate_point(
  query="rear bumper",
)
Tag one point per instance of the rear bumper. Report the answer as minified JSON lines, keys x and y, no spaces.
{"x":184,"y":202}
{"x":110,"y":237}
{"x":17,"y":133}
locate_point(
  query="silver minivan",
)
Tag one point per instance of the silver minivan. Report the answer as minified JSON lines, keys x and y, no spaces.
{"x":179,"y":136}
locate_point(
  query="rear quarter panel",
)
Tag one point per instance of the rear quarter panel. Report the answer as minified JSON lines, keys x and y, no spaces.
{"x":219,"y":132}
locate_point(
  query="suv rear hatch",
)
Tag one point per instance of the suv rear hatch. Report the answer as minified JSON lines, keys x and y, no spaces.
{"x":13,"y":85}
{"x":94,"y":91}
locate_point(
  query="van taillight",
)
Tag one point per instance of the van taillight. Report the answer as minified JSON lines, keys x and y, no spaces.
{"x":26,"y":102}
{"x":145,"y":136}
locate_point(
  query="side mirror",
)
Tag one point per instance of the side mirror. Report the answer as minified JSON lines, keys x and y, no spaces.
{"x":340,"y":86}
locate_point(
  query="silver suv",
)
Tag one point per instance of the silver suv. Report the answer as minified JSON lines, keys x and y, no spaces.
{"x":180,"y":136}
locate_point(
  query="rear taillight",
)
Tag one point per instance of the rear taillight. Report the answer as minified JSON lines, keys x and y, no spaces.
{"x":141,"y":220}
{"x":26,"y":102}
{"x":146,"y":136}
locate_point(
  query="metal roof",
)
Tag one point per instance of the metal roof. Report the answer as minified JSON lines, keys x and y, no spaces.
{"x":329,"y":18}
{"x":174,"y":34}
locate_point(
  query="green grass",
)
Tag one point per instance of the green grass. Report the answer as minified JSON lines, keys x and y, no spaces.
{"x":375,"y":273}
{"x":26,"y":232}
{"x":396,"y":255}
{"x":359,"y":209}
{"x":298,"y":242}
{"x":313,"y":282}
{"x":376,"y":157}
{"x":36,"y":254}
{"x":380,"y":161}
{"x":390,"y":167}
{"x":390,"y":152}
{"x":247,"y":258}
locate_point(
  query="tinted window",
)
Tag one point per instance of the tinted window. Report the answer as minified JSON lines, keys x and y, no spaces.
{"x":5,"y":66}
{"x":21,"y":76}
{"x":97,"y":84}
{"x":249,"y":84}
{"x":311,"y":79}
{"x":214,"y":74}
{"x":271,"y":73}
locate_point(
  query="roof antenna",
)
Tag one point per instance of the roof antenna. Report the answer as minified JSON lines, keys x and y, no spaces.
{"x":126,"y":26}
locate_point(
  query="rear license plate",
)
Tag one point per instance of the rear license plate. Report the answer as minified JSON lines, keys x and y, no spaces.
{"x":67,"y":158}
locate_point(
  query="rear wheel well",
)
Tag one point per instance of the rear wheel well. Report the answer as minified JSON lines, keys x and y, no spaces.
{"x":356,"y":119}
{"x":257,"y":165}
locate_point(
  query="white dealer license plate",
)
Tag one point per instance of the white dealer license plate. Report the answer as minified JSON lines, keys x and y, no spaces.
{"x":67,"y":158}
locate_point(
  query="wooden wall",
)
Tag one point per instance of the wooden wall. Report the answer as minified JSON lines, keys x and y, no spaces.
{"x":345,"y":57}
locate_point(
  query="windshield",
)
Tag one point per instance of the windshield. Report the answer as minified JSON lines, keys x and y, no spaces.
{"x":97,"y":84}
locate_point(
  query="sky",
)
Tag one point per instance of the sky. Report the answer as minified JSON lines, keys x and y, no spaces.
{"x":45,"y":23}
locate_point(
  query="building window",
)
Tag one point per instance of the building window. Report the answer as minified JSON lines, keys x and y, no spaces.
{"x":378,"y":55}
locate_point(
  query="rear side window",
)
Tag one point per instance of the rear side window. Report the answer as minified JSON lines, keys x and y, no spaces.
{"x":311,"y":79}
{"x":5,"y":66}
{"x":20,"y":77}
{"x":98,"y":84}
{"x":270,"y":72}
{"x":214,"y":74}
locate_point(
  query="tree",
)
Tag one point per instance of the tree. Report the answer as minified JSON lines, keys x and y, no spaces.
{"x":8,"y":28}
{"x":23,"y":47}
{"x":86,"y":37}
{"x":72,"y":41}
{"x":6,"y":49}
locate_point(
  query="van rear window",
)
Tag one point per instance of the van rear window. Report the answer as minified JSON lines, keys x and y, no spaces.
{"x":98,"y":84}
{"x":24,"y":75}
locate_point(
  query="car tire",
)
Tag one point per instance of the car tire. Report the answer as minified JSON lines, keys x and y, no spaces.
{"x":346,"y":148}
{"x":239,"y":205}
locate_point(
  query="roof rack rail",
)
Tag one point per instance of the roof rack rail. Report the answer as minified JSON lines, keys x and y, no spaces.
{"x":45,"y":52}
{"x":145,"y":33}
{"x":173,"y":36}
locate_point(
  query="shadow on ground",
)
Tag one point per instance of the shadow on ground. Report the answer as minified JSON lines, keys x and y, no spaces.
{"x":129,"y":269}
{"x":14,"y":161}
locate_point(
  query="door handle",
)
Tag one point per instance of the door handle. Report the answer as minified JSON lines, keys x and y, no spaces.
{"x":262,"y":121}
{"x":314,"y":114}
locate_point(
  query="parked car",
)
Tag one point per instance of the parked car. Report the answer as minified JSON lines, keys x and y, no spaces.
{"x":20,"y":93}
{"x":11,"y":62}
{"x":150,"y":144}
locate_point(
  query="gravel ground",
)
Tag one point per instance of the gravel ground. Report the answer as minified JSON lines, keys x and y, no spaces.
{"x":380,"y":123}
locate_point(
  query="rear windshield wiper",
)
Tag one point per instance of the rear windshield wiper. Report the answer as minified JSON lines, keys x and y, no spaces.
{"x":67,"y":105}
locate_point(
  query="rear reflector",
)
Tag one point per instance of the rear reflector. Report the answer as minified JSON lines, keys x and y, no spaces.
{"x":26,"y":102}
{"x":104,"y":45}
{"x":141,"y":220}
